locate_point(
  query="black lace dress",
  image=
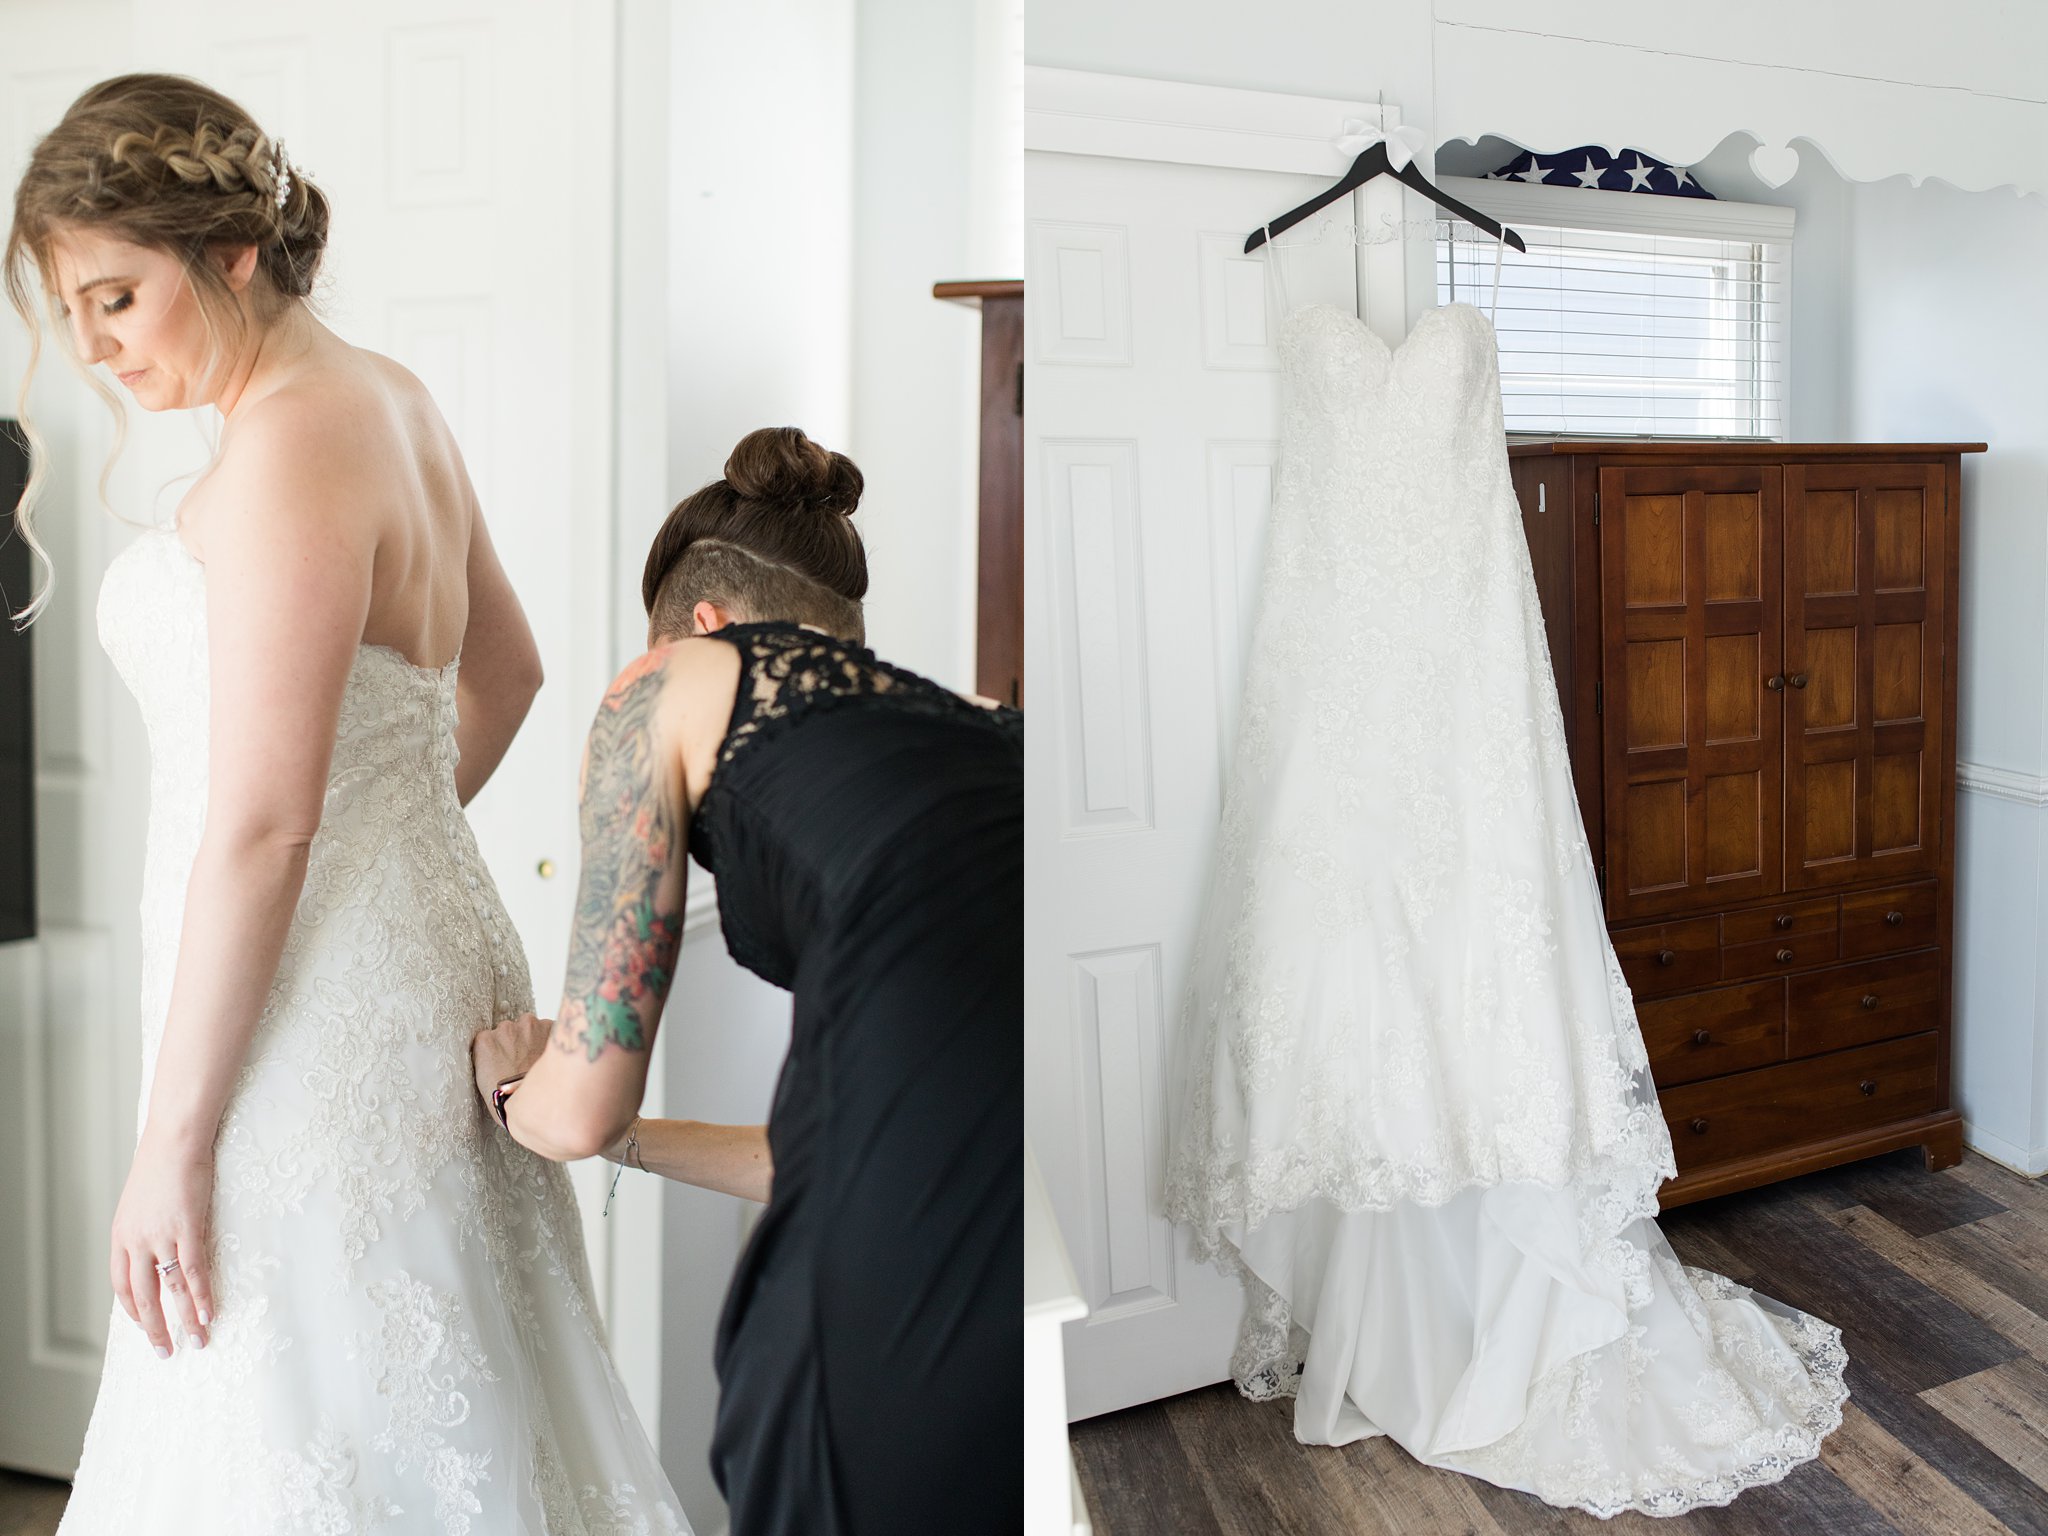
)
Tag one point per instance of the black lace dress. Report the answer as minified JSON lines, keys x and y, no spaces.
{"x":866,"y":829}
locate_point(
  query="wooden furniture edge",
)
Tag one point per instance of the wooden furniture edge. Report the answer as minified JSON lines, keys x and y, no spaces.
{"x":975,"y":292}
{"x":1678,"y":449}
{"x":1940,"y":1133}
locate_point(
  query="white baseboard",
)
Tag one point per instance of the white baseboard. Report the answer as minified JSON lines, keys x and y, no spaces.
{"x":2033,"y":1164}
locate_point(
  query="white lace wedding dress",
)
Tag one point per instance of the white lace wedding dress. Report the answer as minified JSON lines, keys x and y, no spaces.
{"x":1415,"y":1112}
{"x":404,"y":1339}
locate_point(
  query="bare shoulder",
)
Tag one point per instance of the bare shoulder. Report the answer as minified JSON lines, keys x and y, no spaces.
{"x":674,"y":700}
{"x":282,"y":473}
{"x":315,"y":434}
{"x":678,"y":681}
{"x":403,"y":391}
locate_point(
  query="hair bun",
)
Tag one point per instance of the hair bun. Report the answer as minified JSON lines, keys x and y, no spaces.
{"x":783,"y":466}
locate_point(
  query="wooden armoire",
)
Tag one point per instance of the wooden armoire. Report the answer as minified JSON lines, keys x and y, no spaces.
{"x":1755,"y":647}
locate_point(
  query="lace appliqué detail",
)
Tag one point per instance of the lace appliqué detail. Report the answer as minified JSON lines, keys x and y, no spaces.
{"x":421,"y":1362}
{"x":786,"y":670}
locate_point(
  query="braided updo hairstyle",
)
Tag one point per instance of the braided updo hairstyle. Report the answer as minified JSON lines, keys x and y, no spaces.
{"x":773,"y":539}
{"x":166,"y":163}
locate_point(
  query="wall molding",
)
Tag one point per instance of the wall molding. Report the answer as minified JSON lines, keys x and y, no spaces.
{"x":1518,"y":202}
{"x":1900,"y":109}
{"x":2002,"y":784}
{"x":1125,"y":117}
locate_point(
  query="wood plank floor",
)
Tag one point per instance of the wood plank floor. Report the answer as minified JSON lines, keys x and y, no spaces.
{"x":1939,"y":1283}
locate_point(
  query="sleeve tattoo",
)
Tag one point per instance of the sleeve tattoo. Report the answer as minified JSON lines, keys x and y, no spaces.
{"x":622,"y":956}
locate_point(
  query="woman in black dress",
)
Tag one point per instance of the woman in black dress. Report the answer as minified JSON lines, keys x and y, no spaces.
{"x":865,"y":826}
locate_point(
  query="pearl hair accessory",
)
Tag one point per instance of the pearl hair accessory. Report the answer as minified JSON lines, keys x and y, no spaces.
{"x":280,"y":172}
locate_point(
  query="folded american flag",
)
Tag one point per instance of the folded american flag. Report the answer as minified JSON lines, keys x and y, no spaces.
{"x":1591,"y":166}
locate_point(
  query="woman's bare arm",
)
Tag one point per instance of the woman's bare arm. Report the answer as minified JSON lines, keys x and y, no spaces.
{"x":288,"y":574}
{"x":731,"y":1159}
{"x":646,"y":758}
{"x":500,"y":672}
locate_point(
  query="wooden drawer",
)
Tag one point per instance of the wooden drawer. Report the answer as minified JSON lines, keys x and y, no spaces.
{"x":1853,"y":1004}
{"x":1705,"y":1034}
{"x":1885,"y":922}
{"x":1802,"y":1101}
{"x":1670,"y":957}
{"x":1769,"y":941}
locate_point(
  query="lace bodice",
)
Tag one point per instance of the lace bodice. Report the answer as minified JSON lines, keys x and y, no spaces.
{"x":404,"y":1309}
{"x":390,"y":779}
{"x":788,"y":670}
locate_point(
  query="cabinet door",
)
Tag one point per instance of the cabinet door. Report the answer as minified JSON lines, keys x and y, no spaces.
{"x":1865,"y":549}
{"x":1692,"y":735}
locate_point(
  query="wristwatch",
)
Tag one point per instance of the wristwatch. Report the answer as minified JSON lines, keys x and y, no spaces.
{"x":500,"y":1094}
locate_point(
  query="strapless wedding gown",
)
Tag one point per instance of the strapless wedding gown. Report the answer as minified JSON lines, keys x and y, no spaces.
{"x":404,"y":1337}
{"x":1414,"y":1109}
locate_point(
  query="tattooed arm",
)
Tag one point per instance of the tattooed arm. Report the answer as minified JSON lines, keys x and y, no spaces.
{"x":580,"y":1096}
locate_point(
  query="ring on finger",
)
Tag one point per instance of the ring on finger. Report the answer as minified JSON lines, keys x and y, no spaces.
{"x":166,"y":1266}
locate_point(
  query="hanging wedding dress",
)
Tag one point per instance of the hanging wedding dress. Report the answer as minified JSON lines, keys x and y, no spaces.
{"x":405,"y":1340}
{"x":1415,"y":1112}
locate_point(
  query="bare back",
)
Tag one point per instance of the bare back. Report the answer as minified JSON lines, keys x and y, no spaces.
{"x":419,"y":595}
{"x":372,"y":420}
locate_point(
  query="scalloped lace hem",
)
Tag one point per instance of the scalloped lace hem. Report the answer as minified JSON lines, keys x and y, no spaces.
{"x":1268,"y":1363}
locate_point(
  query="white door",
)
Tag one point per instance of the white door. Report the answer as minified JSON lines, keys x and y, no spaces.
{"x":468,"y":150}
{"x":1151,"y":382}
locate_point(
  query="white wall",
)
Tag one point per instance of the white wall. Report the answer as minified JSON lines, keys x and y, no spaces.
{"x":1946,"y":318}
{"x":760,"y":193}
{"x":1349,"y":50}
{"x":914,"y":357}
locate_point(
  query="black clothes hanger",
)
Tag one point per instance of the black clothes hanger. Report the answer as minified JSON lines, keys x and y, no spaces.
{"x":1374,"y":162}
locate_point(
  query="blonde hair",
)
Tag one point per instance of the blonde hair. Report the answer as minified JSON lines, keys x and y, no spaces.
{"x":165,"y":163}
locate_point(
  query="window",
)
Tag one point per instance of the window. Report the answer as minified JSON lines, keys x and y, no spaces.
{"x":1631,"y":315}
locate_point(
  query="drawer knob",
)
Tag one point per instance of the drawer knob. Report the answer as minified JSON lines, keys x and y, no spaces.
{"x":1700,"y":1037}
{"x":1797,"y":679}
{"x":1699,"y":1127}
{"x":1870,"y":999}
{"x":1775,"y":684}
{"x":1784,"y":919}
{"x":1784,"y":955}
{"x":1665,"y":957}
{"x":1868,"y":1087}
{"x":1893,"y":919}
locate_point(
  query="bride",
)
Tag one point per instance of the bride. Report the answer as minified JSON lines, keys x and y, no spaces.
{"x":354,"y":1307}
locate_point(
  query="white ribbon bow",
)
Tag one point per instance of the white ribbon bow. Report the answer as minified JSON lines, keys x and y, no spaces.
{"x":1403,"y":144}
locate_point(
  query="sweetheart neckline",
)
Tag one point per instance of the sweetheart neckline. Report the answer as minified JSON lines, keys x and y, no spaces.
{"x":178,"y":545}
{"x":1393,"y":349}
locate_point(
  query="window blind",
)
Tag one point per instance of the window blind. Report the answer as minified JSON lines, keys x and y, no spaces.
{"x":1670,"y":321}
